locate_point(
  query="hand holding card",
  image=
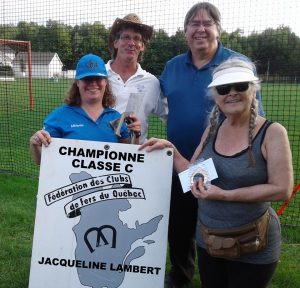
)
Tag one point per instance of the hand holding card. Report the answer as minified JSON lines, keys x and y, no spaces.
{"x":204,"y":169}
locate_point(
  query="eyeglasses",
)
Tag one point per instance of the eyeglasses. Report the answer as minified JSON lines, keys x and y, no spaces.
{"x":239,"y":87}
{"x":136,"y":39}
{"x":198,"y":24}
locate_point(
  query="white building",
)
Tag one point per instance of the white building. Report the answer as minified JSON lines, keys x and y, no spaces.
{"x":44,"y":65}
{"x":7,"y":55}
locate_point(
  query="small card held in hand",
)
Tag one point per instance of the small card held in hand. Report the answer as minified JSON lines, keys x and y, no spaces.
{"x":205,"y":169}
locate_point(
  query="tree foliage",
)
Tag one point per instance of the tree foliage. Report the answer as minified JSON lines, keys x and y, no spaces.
{"x":275,"y":51}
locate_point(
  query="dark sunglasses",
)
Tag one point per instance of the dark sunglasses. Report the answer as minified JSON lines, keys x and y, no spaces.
{"x":239,"y":87}
{"x":92,"y":78}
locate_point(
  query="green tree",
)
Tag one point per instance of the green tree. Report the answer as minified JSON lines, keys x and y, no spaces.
{"x":158,"y":52}
{"x":234,"y":41}
{"x":90,"y":38}
{"x":272,"y":50}
{"x":55,"y":37}
{"x":8,"y":31}
{"x":178,"y":42}
{"x":27,"y":31}
{"x":275,"y":51}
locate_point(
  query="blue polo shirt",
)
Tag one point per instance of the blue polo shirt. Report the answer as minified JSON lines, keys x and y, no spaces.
{"x":72,"y":122}
{"x":185,"y":87}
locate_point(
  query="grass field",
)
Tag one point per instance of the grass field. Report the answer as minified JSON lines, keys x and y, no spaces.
{"x":17,"y":214}
{"x":18,"y":122}
{"x":18,"y":194}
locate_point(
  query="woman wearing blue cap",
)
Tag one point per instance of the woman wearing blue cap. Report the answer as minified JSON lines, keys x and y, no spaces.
{"x":87,"y":113}
{"x":238,"y":232}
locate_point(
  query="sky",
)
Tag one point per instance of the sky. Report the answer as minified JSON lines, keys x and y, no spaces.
{"x":249,"y":15}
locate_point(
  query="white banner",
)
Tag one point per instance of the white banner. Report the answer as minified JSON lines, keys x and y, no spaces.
{"x":102,"y":216}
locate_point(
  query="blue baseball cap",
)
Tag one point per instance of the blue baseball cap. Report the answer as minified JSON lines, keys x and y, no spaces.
{"x":90,"y":65}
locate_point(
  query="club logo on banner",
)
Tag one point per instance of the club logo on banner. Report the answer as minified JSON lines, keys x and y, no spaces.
{"x":102,"y":216}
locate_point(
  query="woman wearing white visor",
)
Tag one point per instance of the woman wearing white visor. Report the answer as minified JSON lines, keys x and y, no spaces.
{"x":238,"y":234}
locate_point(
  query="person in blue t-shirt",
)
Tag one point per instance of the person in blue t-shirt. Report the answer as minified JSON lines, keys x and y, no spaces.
{"x":184,"y":82}
{"x":87,"y":113}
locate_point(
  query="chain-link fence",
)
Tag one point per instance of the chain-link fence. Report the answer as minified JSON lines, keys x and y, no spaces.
{"x":60,"y":32}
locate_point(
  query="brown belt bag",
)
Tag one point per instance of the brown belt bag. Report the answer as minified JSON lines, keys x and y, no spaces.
{"x":234,"y":242}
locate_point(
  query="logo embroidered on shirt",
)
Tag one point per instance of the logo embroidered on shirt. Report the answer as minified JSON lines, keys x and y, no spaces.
{"x":76,"y":125}
{"x":140,"y":88}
